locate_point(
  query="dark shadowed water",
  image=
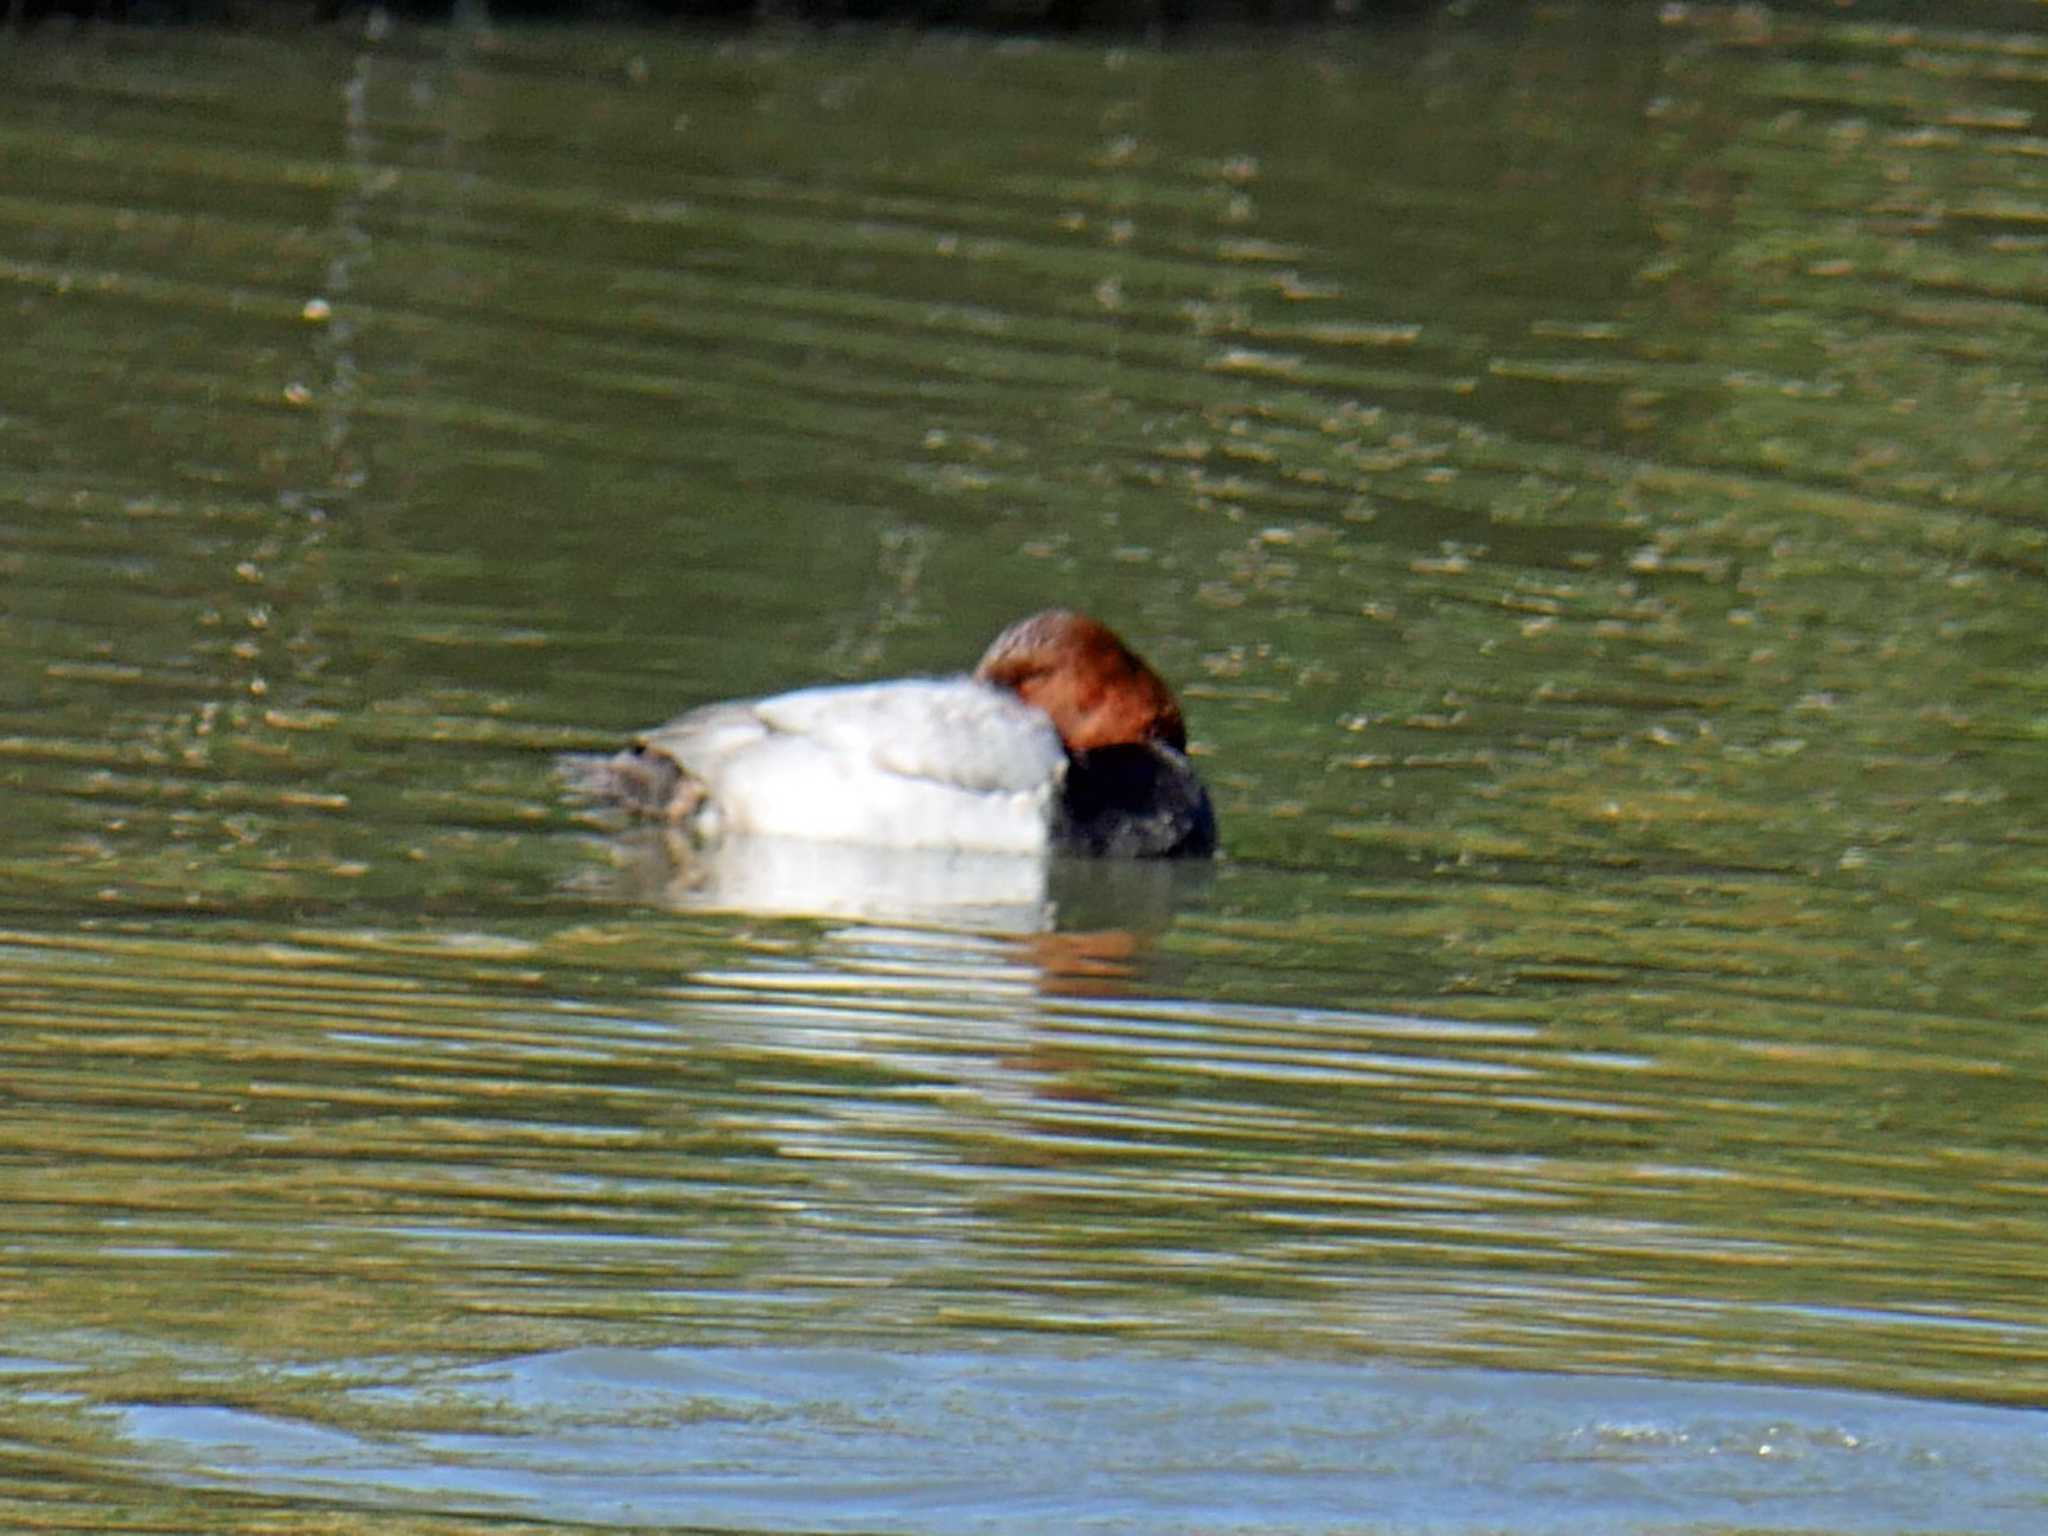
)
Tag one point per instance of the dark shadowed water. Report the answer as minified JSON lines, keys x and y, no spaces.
{"x":1585,"y":468}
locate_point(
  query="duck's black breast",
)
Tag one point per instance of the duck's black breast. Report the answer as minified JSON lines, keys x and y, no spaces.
{"x":1136,"y":801}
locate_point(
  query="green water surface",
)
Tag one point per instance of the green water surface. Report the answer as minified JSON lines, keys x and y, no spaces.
{"x":1584,"y":468}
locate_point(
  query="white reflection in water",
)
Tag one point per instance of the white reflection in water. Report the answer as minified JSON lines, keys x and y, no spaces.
{"x":858,"y":1440}
{"x":982,"y":892}
{"x":1004,"y":893}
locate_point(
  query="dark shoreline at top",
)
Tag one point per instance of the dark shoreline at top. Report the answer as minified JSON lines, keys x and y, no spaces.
{"x":993,"y":16}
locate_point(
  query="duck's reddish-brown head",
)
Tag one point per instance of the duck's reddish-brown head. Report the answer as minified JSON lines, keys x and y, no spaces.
{"x":1098,"y":691}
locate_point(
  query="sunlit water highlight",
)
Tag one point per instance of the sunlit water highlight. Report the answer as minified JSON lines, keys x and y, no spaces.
{"x":849,"y":1440}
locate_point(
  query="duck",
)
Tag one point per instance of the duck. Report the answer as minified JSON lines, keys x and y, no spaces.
{"x":1061,"y":740}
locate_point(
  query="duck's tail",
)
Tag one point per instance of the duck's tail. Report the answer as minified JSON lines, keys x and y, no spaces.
{"x":638,"y":780}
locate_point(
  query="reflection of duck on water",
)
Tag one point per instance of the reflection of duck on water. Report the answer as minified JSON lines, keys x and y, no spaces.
{"x":1106,"y":907}
{"x":1063,"y":739}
